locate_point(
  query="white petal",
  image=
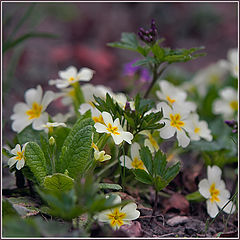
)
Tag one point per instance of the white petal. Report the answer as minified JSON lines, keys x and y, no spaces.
{"x":135,"y":147}
{"x":103,"y":216}
{"x":19,"y":109}
{"x":165,"y":108}
{"x":230,"y":208}
{"x":228,"y":94}
{"x":85,"y":74}
{"x":19,"y":124}
{"x":100,"y":128}
{"x":20,"y":164}
{"x":33,"y":95}
{"x":203,"y":188}
{"x":167,"y":131}
{"x":212,"y":209}
{"x":128,"y":162}
{"x":148,"y":144}
{"x":183,"y":139}
{"x":127,"y":136}
{"x":131,"y":212}
{"x":62,"y":84}
{"x":16,"y":149}
{"x":69,"y":72}
{"x":12,"y":161}
{"x":39,"y":122}
{"x":107,"y":118}
{"x":47,"y":98}
{"x":117,"y":138}
{"x":214,"y":174}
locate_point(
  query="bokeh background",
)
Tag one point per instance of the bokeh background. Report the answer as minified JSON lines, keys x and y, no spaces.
{"x":84,"y":29}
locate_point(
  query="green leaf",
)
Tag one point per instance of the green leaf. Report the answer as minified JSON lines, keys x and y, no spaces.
{"x":158,"y":52}
{"x":146,"y":157}
{"x":159,"y":163}
{"x":58,"y":182}
{"x":160,"y":183}
{"x":195,"y":196}
{"x":8,"y":209}
{"x":128,"y":41}
{"x":172,"y":172}
{"x":7,"y":153}
{"x":47,"y":153}
{"x":142,"y":176}
{"x":145,"y":61}
{"x":76,"y":148}
{"x":36,"y":161}
{"x":109,"y":186}
{"x":8,"y":45}
{"x":29,"y":135}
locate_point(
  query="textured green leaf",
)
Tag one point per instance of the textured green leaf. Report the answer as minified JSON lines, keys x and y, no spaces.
{"x":158,"y":52}
{"x":76,"y":148}
{"x":142,"y":176}
{"x":159,"y":163}
{"x":145,"y":61}
{"x":58,"y":182}
{"x":109,"y":186}
{"x":160,"y":183}
{"x":172,"y":172}
{"x":146,"y":157}
{"x":36,"y":161}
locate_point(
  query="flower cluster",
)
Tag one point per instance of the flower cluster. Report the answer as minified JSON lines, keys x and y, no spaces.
{"x":148,"y":36}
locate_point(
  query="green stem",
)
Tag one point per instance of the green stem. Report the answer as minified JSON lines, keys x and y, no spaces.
{"x":102,"y":141}
{"x":155,"y":203}
{"x":106,"y":168}
{"x":156,"y":75}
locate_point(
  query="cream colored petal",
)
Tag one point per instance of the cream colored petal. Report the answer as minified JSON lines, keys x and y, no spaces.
{"x":19,"y":109}
{"x":167,"y":131}
{"x":128,"y":162}
{"x":19,"y":124}
{"x":148,"y":144}
{"x":20,"y":164}
{"x":100,"y":128}
{"x":39,"y":122}
{"x":85,"y":74}
{"x":127,"y":136}
{"x":131,"y":211}
{"x":107,"y":118}
{"x":183,"y":139}
{"x":48,"y":97}
{"x":212,"y":209}
{"x":12,"y":161}
{"x":203,"y":188}
{"x":71,"y":71}
{"x":214,"y":174}
{"x":117,"y":138}
{"x":33,"y":95}
{"x":230,"y":208}
{"x":135,"y":147}
{"x":16,"y":149}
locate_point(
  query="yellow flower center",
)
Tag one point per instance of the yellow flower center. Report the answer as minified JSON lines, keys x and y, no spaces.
{"x":35,"y":112}
{"x":197,"y":130}
{"x":137,"y":163}
{"x":175,"y":121}
{"x":20,"y":155}
{"x":153,"y":141}
{"x":234,"y":105}
{"x":71,"y":79}
{"x":116,"y":217}
{"x":171,"y":101}
{"x":98,"y":119}
{"x":214,"y":193}
{"x":112,"y":129}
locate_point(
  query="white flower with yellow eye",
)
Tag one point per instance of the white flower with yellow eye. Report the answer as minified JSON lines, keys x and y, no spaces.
{"x":177,"y":121}
{"x":71,"y":76}
{"x":121,"y":99}
{"x":33,"y":111}
{"x":227,"y":105}
{"x":232,"y":56}
{"x":18,"y":158}
{"x":200,"y":130}
{"x":214,"y":190}
{"x":48,"y":127}
{"x":113,"y":128}
{"x":96,"y":114}
{"x":100,"y":155}
{"x":172,"y":94}
{"x":135,"y":161}
{"x":150,"y":142}
{"x":116,"y":217}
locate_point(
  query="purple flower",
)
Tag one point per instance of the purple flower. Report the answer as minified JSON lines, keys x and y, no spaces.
{"x":130,"y":70}
{"x":232,"y":124}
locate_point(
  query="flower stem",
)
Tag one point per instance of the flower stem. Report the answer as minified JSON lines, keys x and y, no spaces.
{"x":155,"y":203}
{"x":156,"y":75}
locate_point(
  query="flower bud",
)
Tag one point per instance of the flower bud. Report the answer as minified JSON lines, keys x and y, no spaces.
{"x":51,"y":141}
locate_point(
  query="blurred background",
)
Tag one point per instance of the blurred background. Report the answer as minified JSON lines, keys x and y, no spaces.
{"x":77,"y":34}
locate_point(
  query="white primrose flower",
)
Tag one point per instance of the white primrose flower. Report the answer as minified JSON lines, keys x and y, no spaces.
{"x":96,"y":114}
{"x":71,"y":75}
{"x":121,"y":99}
{"x":227,"y":105}
{"x":100,"y":155}
{"x":213,"y":74}
{"x":48,"y":127}
{"x":214,"y":190}
{"x":177,"y":121}
{"x":172,"y":94}
{"x":232,"y":56}
{"x":150,"y":142}
{"x":113,"y":128}
{"x":19,"y":156}
{"x":59,"y":117}
{"x":135,"y":161}
{"x":201,"y":129}
{"x":33,"y":111}
{"x":116,"y":217}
